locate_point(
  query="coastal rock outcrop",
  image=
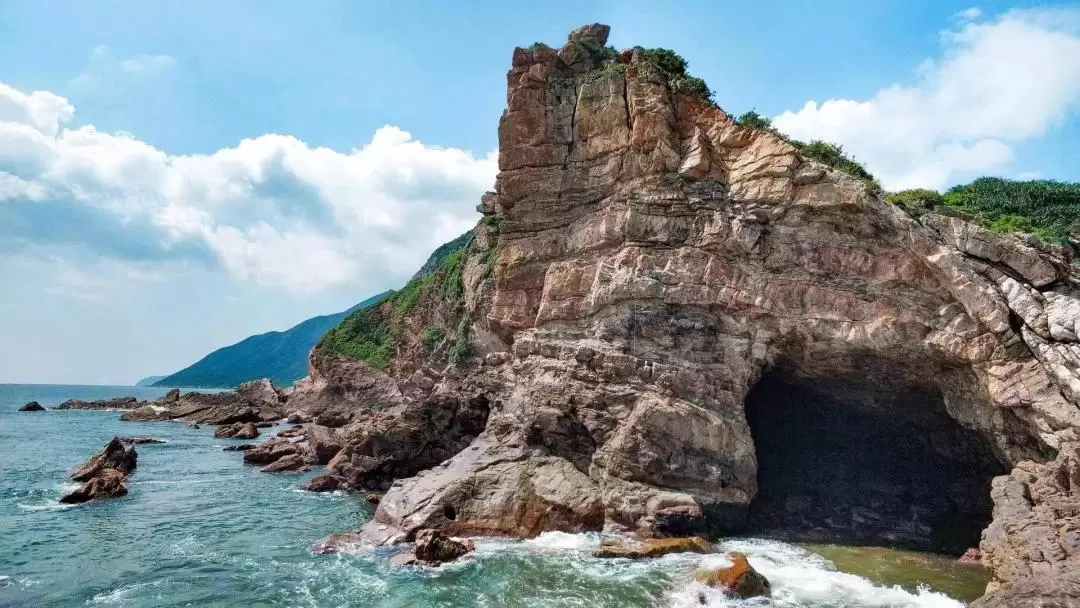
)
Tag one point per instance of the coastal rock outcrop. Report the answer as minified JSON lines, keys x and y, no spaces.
{"x":1032,"y":547}
{"x":433,"y":548}
{"x":739,"y":580}
{"x":256,"y":402}
{"x":104,"y":474}
{"x":652,"y":547}
{"x":32,"y":406}
{"x":118,"y":403}
{"x":668,"y":323}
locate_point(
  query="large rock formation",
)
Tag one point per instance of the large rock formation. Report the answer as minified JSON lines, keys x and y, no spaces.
{"x":104,"y":474}
{"x":650,"y":285}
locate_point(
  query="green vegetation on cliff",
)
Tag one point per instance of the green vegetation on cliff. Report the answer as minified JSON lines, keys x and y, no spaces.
{"x":1047,"y":209}
{"x":821,"y":151}
{"x":672,"y":67}
{"x":373,"y":334}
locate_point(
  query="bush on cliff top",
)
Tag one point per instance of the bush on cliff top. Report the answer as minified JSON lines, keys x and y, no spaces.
{"x":1047,"y":209}
{"x":372,"y":334}
{"x":821,"y":151}
{"x":672,"y":67}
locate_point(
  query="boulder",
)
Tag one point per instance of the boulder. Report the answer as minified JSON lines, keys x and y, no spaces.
{"x":107,"y":483}
{"x":33,"y":406}
{"x":323,"y":483}
{"x":652,"y":547}
{"x":247,"y":431}
{"x":325,"y":442}
{"x":298,"y":418}
{"x":738,"y":580}
{"x":270,"y":451}
{"x":296,"y":431}
{"x":373,"y":498}
{"x":114,"y":456}
{"x":171,"y":397}
{"x":118,"y":403}
{"x":147,"y":413}
{"x":331,"y":420}
{"x":433,"y":547}
{"x":292,"y":463}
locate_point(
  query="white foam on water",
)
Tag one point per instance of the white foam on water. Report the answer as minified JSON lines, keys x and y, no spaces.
{"x":801,"y":578}
{"x":119,"y":595}
{"x":589,"y":541}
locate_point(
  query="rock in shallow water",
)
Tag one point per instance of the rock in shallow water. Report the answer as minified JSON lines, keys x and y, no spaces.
{"x":141,"y":440}
{"x":107,"y":483}
{"x":434,"y":548}
{"x":33,"y":406}
{"x":738,"y":580}
{"x":653,"y":547}
{"x":323,"y":483}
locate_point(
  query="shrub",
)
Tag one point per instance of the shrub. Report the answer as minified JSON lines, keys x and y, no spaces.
{"x":1046,"y":208}
{"x":833,"y":156}
{"x":462,"y":346}
{"x":916,"y":198}
{"x":754,"y":120}
{"x":433,"y":336}
{"x":672,"y":67}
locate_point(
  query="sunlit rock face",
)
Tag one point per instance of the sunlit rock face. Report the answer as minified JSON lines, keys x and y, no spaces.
{"x":643,"y":264}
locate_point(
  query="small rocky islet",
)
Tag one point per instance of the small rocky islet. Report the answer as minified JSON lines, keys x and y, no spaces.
{"x":669,"y":326}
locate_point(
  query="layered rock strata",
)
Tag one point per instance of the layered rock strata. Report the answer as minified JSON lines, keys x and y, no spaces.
{"x":643,"y":263}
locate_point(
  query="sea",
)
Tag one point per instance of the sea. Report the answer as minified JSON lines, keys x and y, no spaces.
{"x":200,"y":528}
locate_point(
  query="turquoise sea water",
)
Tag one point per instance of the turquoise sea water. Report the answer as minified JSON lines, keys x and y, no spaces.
{"x":199,"y":528}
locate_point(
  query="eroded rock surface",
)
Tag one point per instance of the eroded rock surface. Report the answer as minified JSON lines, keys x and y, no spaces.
{"x":104,"y":474}
{"x":739,"y":580}
{"x":642,"y":264}
{"x":1032,"y":548}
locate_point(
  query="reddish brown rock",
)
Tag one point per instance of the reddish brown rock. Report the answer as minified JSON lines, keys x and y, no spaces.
{"x":115,"y":456}
{"x":738,"y":580}
{"x":971,"y":557}
{"x":106,"y":483}
{"x":325,"y":443}
{"x":433,"y":547}
{"x":292,"y":463}
{"x":652,"y":547}
{"x":323,"y":483}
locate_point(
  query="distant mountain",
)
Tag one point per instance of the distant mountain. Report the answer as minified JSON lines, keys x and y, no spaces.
{"x":280,"y":356}
{"x":149,"y":380}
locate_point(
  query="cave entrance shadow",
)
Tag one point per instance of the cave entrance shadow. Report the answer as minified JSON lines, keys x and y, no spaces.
{"x":855,"y":461}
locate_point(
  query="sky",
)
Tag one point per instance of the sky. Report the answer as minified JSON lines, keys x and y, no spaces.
{"x":177,"y":176}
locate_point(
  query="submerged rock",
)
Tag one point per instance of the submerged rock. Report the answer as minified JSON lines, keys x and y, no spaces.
{"x":239,"y":448}
{"x":738,"y":580}
{"x":33,"y":406}
{"x":652,"y":547}
{"x":141,"y":440}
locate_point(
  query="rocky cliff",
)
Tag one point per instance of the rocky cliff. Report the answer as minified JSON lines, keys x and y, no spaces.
{"x":668,"y":322}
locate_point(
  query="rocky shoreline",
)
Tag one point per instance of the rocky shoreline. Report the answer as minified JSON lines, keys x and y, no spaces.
{"x":669,"y":324}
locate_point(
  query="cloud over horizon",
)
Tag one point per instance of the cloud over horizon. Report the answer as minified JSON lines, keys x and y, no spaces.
{"x":999,"y":82}
{"x":271,"y":209}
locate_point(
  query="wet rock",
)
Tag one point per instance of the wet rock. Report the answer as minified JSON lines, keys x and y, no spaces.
{"x":114,"y":456}
{"x":147,"y":413}
{"x":33,"y":406}
{"x":373,"y":498}
{"x":106,"y":483}
{"x":971,"y":557}
{"x":652,"y":547}
{"x":292,"y":463}
{"x":239,"y":448}
{"x":338,"y":543}
{"x":434,"y":547}
{"x":739,"y":580}
{"x":247,"y":431}
{"x":141,"y":440}
{"x":191,"y":425}
{"x":323,"y":483}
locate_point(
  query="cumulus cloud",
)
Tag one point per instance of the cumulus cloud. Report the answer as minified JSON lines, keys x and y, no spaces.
{"x":272,"y":209}
{"x":998,"y":82}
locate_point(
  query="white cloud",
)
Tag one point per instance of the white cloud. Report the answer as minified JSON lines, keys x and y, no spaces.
{"x":970,"y":14}
{"x":271,"y":209}
{"x":997,"y":83}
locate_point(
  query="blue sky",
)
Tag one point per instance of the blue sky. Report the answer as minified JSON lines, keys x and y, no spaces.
{"x":177,"y":176}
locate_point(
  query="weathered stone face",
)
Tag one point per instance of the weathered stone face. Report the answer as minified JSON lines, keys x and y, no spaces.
{"x":654,"y":260}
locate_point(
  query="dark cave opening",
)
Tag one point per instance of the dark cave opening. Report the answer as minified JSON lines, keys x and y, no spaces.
{"x":857,"y":461}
